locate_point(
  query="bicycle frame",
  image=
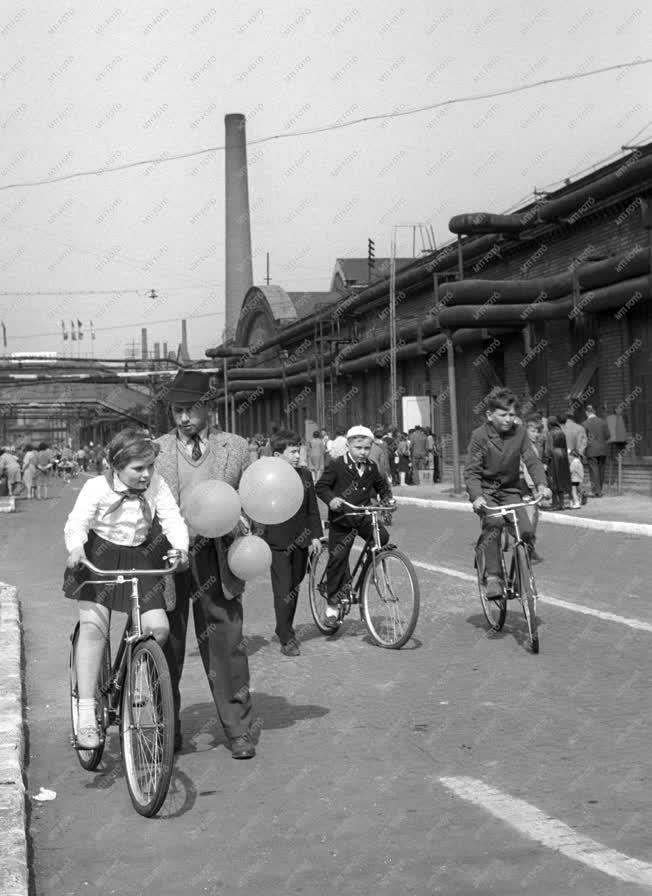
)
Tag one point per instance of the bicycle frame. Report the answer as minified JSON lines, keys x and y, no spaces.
{"x":133,"y":629}
{"x":368,"y":552}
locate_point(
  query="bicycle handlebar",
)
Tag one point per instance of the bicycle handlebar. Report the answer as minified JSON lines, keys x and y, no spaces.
{"x":499,"y":511}
{"x":131,"y":573}
{"x":367,"y":510}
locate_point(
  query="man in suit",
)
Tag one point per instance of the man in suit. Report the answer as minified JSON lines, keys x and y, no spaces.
{"x":597,"y":448}
{"x":491,"y":475}
{"x":190,"y":454}
{"x":355,"y":479}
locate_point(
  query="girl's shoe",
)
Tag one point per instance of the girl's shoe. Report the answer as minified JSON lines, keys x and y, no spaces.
{"x":88,"y":738}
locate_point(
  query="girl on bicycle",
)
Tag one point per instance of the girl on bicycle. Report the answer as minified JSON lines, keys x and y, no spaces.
{"x":120,"y":520}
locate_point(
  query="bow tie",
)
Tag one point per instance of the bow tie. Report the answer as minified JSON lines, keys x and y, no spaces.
{"x":132,"y":494}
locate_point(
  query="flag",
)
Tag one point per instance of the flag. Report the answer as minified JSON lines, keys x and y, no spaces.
{"x":92,"y":331}
{"x":80,"y":335}
{"x":63,"y":330}
{"x":73,"y":334}
{"x":4,"y":334}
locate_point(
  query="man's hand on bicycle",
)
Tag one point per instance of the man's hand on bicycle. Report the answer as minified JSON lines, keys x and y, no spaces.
{"x":315,"y":546}
{"x":544,"y":492}
{"x":335,"y":503}
{"x":479,"y":504}
{"x":75,"y":557}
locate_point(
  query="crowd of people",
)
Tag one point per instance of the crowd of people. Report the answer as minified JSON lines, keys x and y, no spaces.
{"x":403,"y":458}
{"x":26,"y":469}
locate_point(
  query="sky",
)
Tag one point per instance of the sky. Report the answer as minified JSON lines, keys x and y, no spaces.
{"x":87,"y":88}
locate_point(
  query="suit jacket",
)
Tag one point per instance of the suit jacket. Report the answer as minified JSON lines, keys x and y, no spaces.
{"x":340,"y":479}
{"x":597,"y":433}
{"x":493,"y":461}
{"x":300,"y":529}
{"x":228,"y":459}
{"x":575,"y":436}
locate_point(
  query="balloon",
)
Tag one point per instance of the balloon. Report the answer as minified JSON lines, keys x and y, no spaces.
{"x":271,"y":491}
{"x":211,"y":508}
{"x":249,"y":556}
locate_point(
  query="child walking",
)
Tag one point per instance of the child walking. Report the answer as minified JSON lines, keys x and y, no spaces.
{"x":577,"y":478}
{"x":291,"y":543}
{"x":111,"y":525}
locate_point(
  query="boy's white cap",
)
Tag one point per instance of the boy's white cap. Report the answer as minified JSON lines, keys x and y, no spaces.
{"x":360,"y":431}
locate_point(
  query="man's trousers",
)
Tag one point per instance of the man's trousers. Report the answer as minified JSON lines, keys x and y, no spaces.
{"x":218,"y":629}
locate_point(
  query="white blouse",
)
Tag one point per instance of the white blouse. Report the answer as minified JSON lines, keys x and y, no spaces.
{"x":127,"y":524}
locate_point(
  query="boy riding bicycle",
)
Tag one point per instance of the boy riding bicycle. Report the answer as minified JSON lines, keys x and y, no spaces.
{"x":355,"y":479}
{"x":491,"y":475}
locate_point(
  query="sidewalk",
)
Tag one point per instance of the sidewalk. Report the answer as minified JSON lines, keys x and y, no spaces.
{"x":629,"y":508}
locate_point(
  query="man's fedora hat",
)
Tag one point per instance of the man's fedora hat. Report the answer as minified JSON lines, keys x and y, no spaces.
{"x":190,"y":386}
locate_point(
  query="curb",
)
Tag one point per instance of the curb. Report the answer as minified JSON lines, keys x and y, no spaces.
{"x":580,"y":522}
{"x":14,"y":874}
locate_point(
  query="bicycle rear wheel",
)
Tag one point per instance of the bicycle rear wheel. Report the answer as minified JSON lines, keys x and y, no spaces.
{"x":89,"y":759}
{"x":494,"y":611}
{"x":317,"y":590}
{"x":528,"y":595}
{"x":390,"y":599}
{"x":147,"y":728}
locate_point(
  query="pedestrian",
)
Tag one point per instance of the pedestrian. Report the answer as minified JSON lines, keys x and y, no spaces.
{"x":10,"y":468}
{"x":338,"y":446}
{"x":577,"y":478}
{"x":379,"y":454}
{"x":316,"y":452}
{"x":391,"y":440}
{"x":354,"y":479}
{"x":418,"y":442}
{"x":44,"y":462}
{"x":557,"y":467}
{"x":597,"y":448}
{"x":290,"y":543}
{"x":29,"y":470}
{"x":575,"y":434}
{"x":81,"y":458}
{"x":404,"y":464}
{"x":193,"y":453}
{"x":111,"y":525}
{"x":253,"y":450}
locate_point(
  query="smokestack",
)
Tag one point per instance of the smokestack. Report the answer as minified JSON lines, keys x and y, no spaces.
{"x":239,"y":275}
{"x":143,"y":343}
{"x":184,"y":342}
{"x":157,"y":350}
{"x":165,"y":350}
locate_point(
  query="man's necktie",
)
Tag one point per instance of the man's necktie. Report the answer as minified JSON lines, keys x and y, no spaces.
{"x":196,"y":447}
{"x":132,"y":495}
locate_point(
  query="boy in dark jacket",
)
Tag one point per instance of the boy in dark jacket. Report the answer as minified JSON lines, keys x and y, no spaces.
{"x":355,"y":479}
{"x":291,"y":542}
{"x":492,"y":473}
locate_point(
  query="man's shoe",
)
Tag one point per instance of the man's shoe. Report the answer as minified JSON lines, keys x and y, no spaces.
{"x":332,"y":617}
{"x":291,"y":648}
{"x":494,"y":588}
{"x":243,"y":747}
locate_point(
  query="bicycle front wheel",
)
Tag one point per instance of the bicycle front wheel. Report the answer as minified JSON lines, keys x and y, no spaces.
{"x":88,"y":759}
{"x":147,"y":728}
{"x":528,"y":595}
{"x":494,"y":611}
{"x":390,"y":599}
{"x":317,"y":591}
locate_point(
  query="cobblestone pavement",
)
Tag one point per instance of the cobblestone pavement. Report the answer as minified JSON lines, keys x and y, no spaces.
{"x":461,"y":764}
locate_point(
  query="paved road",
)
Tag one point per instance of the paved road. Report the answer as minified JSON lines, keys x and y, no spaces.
{"x":459,"y":765}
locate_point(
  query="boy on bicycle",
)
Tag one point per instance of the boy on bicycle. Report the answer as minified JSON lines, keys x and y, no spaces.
{"x":355,"y":479}
{"x":491,"y":475}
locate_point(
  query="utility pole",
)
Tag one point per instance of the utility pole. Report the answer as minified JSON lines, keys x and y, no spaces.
{"x":267,"y":278}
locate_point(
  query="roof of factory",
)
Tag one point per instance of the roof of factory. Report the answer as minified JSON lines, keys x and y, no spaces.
{"x":355,"y":271}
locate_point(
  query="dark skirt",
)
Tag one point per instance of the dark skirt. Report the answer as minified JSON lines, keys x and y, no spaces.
{"x":106,"y":555}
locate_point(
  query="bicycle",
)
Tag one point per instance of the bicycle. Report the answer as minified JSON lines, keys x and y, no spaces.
{"x":383,"y":584}
{"x":519,"y":583}
{"x":134,"y":692}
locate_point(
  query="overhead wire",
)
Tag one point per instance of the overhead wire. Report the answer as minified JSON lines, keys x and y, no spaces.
{"x":507,"y":91}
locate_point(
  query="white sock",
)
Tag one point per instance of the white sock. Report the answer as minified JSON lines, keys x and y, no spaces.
{"x":332,"y":612}
{"x":87,"y":718}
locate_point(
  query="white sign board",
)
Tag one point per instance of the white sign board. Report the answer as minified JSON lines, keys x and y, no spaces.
{"x":416,"y":411}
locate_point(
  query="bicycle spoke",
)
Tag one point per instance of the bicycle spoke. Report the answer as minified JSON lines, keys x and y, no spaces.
{"x":390,"y":595}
